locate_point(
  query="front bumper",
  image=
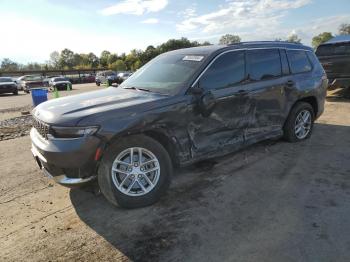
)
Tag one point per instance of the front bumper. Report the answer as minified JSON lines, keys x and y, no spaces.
{"x":69,"y":182}
{"x":70,"y":162}
{"x":4,"y":90}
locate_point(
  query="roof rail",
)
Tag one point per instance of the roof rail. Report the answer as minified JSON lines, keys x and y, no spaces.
{"x":264,"y":42}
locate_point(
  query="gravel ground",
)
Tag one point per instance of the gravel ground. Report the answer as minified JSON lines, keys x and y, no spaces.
{"x":273,"y":201}
{"x":15,"y":127}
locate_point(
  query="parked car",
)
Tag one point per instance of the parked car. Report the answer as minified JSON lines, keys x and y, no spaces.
{"x":123,"y":76}
{"x":47,"y":80}
{"x":335,"y":58}
{"x":28,"y":82}
{"x":106,"y":77}
{"x":7,"y":85}
{"x":182,"y":107}
{"x":61,"y":83}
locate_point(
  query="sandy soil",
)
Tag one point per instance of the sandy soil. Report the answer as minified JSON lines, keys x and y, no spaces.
{"x":273,"y":201}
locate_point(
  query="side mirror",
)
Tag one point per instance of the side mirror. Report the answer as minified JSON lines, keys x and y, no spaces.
{"x":206,"y":100}
{"x":196,"y":90}
{"x":207,"y":103}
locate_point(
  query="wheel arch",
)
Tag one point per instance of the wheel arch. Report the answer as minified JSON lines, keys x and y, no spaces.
{"x":312,"y":100}
{"x":160,"y":135}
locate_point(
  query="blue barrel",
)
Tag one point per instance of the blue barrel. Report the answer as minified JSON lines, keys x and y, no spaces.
{"x":39,"y":95}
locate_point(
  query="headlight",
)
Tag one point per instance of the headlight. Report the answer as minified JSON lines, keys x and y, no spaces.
{"x":72,"y":132}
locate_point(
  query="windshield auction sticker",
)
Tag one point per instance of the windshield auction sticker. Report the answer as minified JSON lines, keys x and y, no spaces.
{"x":196,"y":58}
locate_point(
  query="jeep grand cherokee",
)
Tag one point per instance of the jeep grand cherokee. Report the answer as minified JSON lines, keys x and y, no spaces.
{"x":181,"y":107}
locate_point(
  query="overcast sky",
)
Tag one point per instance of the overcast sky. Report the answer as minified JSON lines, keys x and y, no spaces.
{"x":32,"y":29}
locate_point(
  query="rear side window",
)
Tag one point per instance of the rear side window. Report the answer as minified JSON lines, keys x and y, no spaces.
{"x":263,"y":64}
{"x":226,"y":71}
{"x":299,"y":63}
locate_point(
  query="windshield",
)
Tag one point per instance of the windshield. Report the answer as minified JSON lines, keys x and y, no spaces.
{"x":333,"y":49}
{"x":165,"y":74}
{"x":60,"y":79}
{"x":5,"y":79}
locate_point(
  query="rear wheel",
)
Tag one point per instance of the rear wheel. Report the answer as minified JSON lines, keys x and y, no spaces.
{"x":15,"y":92}
{"x":98,"y":83}
{"x":300,"y":122}
{"x":135,"y":172}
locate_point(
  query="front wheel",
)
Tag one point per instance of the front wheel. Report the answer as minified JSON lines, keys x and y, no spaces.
{"x":135,"y":172}
{"x":299,"y":123}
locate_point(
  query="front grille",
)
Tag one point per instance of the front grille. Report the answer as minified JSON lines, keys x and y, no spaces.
{"x":42,"y":128}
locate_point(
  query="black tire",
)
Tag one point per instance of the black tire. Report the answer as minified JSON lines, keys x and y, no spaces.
{"x":15,"y":92}
{"x":110,"y":191}
{"x":98,"y":83}
{"x":289,"y":126}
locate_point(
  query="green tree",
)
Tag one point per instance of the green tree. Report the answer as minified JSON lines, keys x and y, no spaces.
{"x":118,"y":65}
{"x":112,"y":58}
{"x":150,"y":53}
{"x":344,"y":29}
{"x":321,"y":38}
{"x":293,"y":38}
{"x":174,"y":44}
{"x":93,"y":60}
{"x":66,"y":59}
{"x":229,"y":39}
{"x":104,"y":58}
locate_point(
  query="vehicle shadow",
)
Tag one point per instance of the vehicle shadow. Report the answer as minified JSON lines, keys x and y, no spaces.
{"x":220,"y":202}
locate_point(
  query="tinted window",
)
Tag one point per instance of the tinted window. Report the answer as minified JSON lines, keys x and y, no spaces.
{"x":227,"y":70}
{"x":314,"y":60}
{"x":298,"y":61}
{"x":333,"y":49}
{"x":264,"y":64}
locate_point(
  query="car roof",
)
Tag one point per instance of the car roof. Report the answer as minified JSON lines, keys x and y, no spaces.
{"x":208,"y":50}
{"x":338,"y":39}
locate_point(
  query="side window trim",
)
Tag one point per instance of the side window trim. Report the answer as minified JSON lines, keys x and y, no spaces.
{"x":283,"y":52}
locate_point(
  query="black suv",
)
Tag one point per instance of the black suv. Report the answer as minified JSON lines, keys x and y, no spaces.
{"x":183,"y":106}
{"x":335,"y":58}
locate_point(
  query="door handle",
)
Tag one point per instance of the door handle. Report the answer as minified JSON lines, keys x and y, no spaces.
{"x":290,"y":83}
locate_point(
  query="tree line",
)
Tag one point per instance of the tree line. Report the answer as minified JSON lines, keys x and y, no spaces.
{"x":67,"y":59}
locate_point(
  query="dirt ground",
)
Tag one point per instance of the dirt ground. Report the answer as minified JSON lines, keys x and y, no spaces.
{"x":274,"y":201}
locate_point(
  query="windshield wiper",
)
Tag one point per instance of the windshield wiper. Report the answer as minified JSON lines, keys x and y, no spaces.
{"x":137,"y":88}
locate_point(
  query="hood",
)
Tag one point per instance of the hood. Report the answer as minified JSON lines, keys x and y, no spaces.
{"x":72,"y":109}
